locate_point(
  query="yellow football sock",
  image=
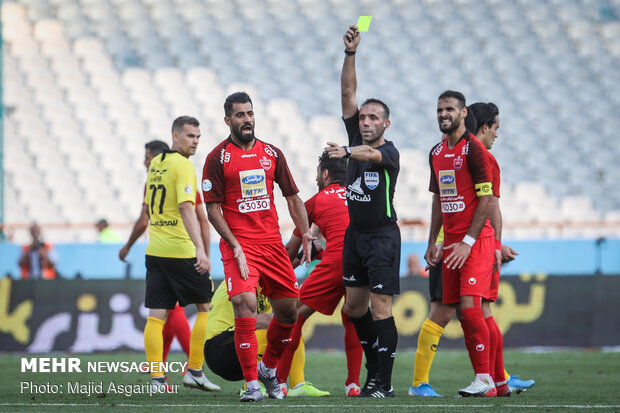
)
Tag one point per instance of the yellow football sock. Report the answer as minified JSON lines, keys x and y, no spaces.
{"x":197,"y":342}
{"x":261,"y":340}
{"x":296,"y":374}
{"x":154,"y":344}
{"x":430,"y":333}
{"x":506,"y":375}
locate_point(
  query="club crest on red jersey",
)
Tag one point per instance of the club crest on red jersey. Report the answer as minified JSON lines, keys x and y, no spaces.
{"x":458,"y":163}
{"x":265,"y":163}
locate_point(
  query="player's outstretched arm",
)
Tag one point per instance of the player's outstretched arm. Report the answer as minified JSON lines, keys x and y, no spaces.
{"x":138,"y":229}
{"x":297,"y":210}
{"x":188,"y":216}
{"x":348,"y":79}
{"x":496,"y":223}
{"x":214,"y":212}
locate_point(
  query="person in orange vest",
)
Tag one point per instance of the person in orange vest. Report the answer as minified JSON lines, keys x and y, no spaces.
{"x":38,"y":259}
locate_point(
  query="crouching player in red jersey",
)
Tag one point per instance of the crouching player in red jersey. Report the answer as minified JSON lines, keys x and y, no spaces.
{"x":487,"y":120}
{"x":323,"y":289}
{"x":238,"y":182}
{"x":462,"y":186}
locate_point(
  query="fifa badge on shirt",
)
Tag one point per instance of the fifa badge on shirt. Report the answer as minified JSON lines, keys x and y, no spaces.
{"x":371,"y":179}
{"x":458,"y":163}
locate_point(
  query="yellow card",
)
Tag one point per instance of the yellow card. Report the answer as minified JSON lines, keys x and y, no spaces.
{"x":363,"y":23}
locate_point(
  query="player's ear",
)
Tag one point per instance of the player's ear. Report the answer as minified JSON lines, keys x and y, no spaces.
{"x":227,"y":120}
{"x":386,"y":123}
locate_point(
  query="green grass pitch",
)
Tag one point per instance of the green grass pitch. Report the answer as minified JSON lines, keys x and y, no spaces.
{"x":565,"y":381}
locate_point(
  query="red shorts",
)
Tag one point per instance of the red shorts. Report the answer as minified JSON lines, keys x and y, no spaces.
{"x":493,"y":291}
{"x":474,"y":278}
{"x":269,"y":266}
{"x":323,"y":289}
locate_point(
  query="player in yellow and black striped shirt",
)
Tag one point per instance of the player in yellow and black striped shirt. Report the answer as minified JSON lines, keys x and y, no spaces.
{"x":176,"y":262}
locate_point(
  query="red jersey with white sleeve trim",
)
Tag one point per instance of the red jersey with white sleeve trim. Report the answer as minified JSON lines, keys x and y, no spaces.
{"x":328,"y":210}
{"x":242,"y":182}
{"x":459,"y":175}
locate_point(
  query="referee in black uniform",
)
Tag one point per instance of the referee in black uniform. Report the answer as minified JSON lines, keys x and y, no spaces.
{"x":371,"y":252}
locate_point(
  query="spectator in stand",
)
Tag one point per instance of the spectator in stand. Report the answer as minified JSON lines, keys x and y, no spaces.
{"x":38,"y":259}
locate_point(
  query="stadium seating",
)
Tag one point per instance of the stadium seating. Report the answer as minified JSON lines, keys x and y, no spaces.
{"x":88,"y":82}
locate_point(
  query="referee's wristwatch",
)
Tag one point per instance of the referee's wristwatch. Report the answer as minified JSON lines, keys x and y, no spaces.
{"x":347,"y":151}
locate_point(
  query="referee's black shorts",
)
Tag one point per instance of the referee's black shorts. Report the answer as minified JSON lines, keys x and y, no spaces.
{"x":372,"y":258}
{"x":435,"y":284}
{"x":221,"y":356}
{"x":169,"y":280}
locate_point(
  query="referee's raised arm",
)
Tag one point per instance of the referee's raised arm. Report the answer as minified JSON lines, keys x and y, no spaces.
{"x":348,"y":79}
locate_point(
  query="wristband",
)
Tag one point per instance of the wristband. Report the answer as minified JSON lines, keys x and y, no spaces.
{"x":498,"y":244}
{"x":469,"y":240}
{"x":347,"y":151}
{"x":349,"y":52}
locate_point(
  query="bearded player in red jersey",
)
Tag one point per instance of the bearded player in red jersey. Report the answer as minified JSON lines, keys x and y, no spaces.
{"x":323,"y":289}
{"x":238,"y":181}
{"x":462,"y":185}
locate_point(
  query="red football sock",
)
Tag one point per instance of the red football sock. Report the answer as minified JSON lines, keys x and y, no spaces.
{"x":278,"y":337}
{"x":180,"y":327}
{"x":168,"y":335}
{"x":353,"y":350}
{"x":497,"y":369}
{"x":246,"y":346}
{"x":492,"y":344}
{"x":284,"y":365}
{"x":477,"y":340}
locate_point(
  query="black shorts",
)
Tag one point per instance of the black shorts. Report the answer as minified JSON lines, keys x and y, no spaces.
{"x":169,"y":280}
{"x":435,"y":283}
{"x":373,"y":259}
{"x":221,"y":356}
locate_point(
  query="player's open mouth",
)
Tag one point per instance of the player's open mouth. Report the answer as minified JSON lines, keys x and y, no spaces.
{"x":445,"y":122}
{"x":247,"y":129}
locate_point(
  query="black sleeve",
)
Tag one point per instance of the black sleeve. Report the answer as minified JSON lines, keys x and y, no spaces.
{"x":353,"y":129}
{"x":390,"y":158}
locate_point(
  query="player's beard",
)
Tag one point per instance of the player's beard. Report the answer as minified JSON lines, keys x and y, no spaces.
{"x":245,"y":138}
{"x":456,"y":122}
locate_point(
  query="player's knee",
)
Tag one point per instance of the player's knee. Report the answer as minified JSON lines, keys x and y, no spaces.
{"x":354,"y":311}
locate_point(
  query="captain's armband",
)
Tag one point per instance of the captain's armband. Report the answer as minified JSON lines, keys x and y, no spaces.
{"x":484,"y":188}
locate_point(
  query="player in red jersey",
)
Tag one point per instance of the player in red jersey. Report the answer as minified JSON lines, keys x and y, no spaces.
{"x":323,"y":289}
{"x":462,"y":185}
{"x":487,"y":119}
{"x":238,"y":182}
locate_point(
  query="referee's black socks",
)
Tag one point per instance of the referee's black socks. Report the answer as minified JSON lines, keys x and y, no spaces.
{"x":367,"y":334}
{"x":386,"y":352}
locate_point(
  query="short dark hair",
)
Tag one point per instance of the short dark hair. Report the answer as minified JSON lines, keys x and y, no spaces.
{"x":470,"y":121}
{"x":337,"y":167}
{"x":386,"y":110}
{"x":454,"y":94}
{"x":484,"y":113}
{"x":179,"y":122}
{"x":156,"y":147}
{"x":237,"y":97}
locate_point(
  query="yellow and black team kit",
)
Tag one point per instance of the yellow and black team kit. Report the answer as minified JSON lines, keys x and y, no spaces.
{"x":171,"y":254}
{"x":219,"y":349}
